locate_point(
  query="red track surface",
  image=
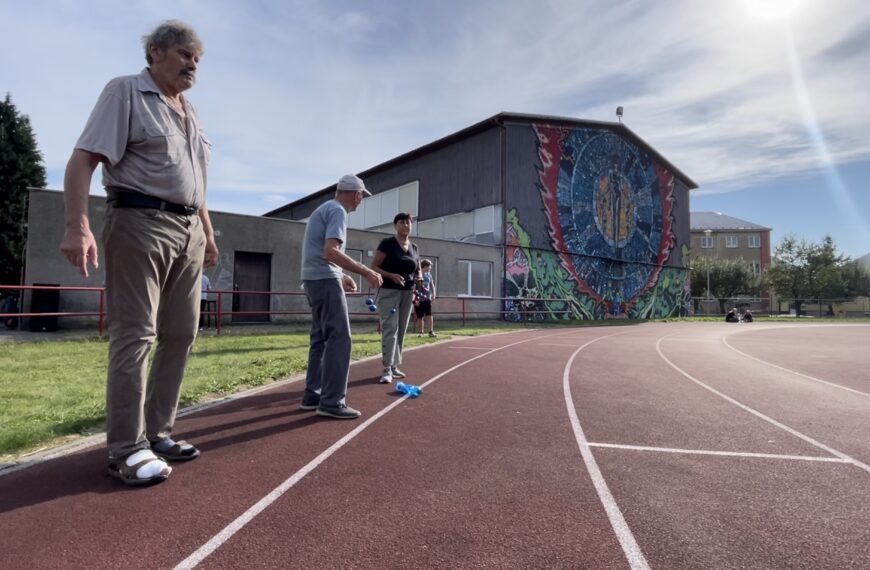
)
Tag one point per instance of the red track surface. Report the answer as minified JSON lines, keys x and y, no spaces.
{"x":687,"y":451}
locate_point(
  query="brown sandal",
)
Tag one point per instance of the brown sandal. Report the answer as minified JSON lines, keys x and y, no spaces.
{"x":180,"y":451}
{"x":129,"y":473}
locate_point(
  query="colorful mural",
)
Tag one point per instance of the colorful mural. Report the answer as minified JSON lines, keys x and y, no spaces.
{"x":610,"y":225}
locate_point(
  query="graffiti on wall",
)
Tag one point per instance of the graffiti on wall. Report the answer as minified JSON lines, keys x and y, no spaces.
{"x":609,"y":213}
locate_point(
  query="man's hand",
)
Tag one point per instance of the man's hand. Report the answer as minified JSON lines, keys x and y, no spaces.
{"x":211,"y":253}
{"x":374,"y":278}
{"x":80,"y":248}
{"x":348,"y":283}
{"x":397,"y":279}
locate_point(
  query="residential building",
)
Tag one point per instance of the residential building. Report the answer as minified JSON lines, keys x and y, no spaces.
{"x":725,"y":237}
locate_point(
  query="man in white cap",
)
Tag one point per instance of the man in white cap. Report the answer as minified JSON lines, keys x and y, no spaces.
{"x":325,"y":284}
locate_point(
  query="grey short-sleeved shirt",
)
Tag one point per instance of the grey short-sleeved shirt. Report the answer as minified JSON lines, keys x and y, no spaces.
{"x":329,"y":221}
{"x":149,"y":147}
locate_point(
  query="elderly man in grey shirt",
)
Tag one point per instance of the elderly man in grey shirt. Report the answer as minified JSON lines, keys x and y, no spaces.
{"x":323,"y":259}
{"x":156,"y":237}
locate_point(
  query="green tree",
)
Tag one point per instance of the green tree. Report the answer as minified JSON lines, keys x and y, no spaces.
{"x":729,"y":278}
{"x":804,"y":270}
{"x":20,"y":167}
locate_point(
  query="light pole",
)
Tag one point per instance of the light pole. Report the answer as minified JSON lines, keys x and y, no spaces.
{"x":707,"y":236}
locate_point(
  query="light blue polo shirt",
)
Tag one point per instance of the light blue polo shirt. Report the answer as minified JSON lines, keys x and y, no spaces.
{"x":329,"y":221}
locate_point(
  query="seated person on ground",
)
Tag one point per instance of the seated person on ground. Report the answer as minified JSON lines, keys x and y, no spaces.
{"x":731,"y":317}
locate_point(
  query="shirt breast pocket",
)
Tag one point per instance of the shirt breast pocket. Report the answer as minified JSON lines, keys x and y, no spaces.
{"x":162,"y":144}
{"x":204,"y":148}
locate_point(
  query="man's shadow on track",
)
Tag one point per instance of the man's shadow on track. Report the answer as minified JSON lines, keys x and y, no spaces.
{"x":84,"y":472}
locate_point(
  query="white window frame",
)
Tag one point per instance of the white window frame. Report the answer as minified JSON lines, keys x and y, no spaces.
{"x":706,"y":242}
{"x":755,"y":267}
{"x":753,"y":240}
{"x":470,"y":272}
{"x":732,"y":241}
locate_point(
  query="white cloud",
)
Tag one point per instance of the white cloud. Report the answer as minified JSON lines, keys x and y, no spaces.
{"x":294,"y":95}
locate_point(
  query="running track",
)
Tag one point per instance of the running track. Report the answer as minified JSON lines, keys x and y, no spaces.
{"x":667,"y":446}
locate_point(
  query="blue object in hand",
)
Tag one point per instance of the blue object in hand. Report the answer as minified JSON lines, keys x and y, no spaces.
{"x":409,"y":389}
{"x":373,"y":307}
{"x":370,"y":301}
{"x":393,"y":311}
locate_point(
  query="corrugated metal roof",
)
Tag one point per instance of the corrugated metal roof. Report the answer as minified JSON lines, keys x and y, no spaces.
{"x":500,"y":120}
{"x":701,"y":221}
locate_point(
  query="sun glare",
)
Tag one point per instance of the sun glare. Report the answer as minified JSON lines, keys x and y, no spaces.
{"x":772,"y":10}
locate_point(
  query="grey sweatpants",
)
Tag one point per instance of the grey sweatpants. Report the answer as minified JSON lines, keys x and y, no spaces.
{"x":329,"y":350}
{"x":394,"y":308}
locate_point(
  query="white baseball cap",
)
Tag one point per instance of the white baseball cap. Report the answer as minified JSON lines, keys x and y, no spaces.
{"x":351,"y":183}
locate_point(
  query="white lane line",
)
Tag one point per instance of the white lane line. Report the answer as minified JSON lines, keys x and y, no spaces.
{"x":632,"y":551}
{"x":720,"y":453}
{"x":235,"y":526}
{"x":778,"y":367}
{"x":754,"y":412}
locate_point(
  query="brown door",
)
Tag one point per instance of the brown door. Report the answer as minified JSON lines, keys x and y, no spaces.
{"x":251,"y":272}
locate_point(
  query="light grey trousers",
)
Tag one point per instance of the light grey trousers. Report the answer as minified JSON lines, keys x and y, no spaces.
{"x":153,"y":269}
{"x":329,"y":350}
{"x":394,"y":308}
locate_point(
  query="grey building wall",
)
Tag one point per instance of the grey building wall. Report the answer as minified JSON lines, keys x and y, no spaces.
{"x":234,"y":232}
{"x":459,"y":177}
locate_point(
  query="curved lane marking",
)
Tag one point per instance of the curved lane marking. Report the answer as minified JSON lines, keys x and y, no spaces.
{"x":796,"y":373}
{"x":632,"y":551}
{"x":755,"y":412}
{"x":242,"y":520}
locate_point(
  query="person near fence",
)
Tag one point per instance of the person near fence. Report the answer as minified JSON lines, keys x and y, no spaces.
{"x":323,"y":259}
{"x":731,"y":316}
{"x":398,"y":261}
{"x":156,"y":237}
{"x":747,"y":316}
{"x":424,"y":294}
{"x":203,"y":303}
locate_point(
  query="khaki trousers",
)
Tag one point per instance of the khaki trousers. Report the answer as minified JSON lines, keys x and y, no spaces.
{"x":153,"y":270}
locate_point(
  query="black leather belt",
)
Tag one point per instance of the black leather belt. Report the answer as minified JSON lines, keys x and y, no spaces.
{"x":136,"y":200}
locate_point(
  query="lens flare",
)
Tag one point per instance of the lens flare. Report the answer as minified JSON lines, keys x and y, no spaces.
{"x":771,"y":10}
{"x":840,"y":193}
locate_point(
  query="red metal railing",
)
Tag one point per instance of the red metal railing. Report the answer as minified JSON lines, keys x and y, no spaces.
{"x":101,"y":314}
{"x":464,"y":310}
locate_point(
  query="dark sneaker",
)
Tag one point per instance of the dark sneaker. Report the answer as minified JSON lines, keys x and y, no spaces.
{"x":432,"y":334}
{"x":397,"y":373}
{"x":338,"y":412}
{"x":308,"y":406}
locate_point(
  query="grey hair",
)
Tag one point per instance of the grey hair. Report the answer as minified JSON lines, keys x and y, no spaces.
{"x":168,"y":34}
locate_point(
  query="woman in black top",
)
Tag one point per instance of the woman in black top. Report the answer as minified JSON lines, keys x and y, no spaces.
{"x":398,"y":262}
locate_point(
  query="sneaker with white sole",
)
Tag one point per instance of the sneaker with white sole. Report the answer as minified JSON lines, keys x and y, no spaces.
{"x":387,"y":376}
{"x":342,"y":412}
{"x":397,"y":373}
{"x":432,"y":334}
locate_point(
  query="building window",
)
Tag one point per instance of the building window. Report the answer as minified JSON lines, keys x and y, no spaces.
{"x":755,"y":268}
{"x":706,"y":242}
{"x":474,"y":278}
{"x":376,"y":212}
{"x":754,"y":240}
{"x":731,"y":241}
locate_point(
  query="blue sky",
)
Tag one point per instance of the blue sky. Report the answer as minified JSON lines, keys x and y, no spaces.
{"x":762,"y":102}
